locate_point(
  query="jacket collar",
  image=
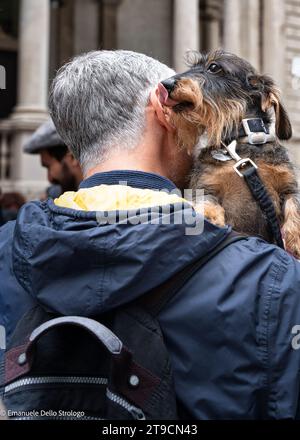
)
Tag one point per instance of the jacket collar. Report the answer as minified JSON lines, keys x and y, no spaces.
{"x":136,"y":179}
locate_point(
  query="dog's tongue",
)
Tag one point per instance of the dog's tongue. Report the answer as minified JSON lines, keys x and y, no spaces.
{"x":164,"y":96}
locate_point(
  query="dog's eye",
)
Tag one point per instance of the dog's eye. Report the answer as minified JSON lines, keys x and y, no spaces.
{"x":214,"y":68}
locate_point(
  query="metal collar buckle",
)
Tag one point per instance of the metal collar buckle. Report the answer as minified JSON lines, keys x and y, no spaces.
{"x":240,"y":162}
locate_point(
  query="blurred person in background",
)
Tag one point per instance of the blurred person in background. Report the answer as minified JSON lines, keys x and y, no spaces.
{"x":64,"y":172}
{"x":10,"y":203}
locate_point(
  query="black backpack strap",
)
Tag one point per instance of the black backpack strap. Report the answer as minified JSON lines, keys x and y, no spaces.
{"x":157,"y":298}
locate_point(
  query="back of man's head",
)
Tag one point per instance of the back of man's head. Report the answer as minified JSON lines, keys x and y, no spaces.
{"x":98,"y":102}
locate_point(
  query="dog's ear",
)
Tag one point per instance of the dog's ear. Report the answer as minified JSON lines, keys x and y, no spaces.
{"x":270,"y":97}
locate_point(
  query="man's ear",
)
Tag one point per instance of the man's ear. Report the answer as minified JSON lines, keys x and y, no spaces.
{"x":270,"y":97}
{"x":70,"y":160}
{"x":162,"y":113}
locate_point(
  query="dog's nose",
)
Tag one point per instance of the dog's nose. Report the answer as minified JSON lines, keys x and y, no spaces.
{"x":169,"y":84}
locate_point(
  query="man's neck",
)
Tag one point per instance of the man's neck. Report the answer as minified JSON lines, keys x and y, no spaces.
{"x":140,"y":159}
{"x":150,"y":156}
{"x":157,"y":153}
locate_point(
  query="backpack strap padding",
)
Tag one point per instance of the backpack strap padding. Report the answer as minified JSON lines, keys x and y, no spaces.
{"x":99,"y":331}
{"x":19,"y":360}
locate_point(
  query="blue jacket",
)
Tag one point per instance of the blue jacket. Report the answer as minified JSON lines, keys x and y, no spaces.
{"x":231,"y":330}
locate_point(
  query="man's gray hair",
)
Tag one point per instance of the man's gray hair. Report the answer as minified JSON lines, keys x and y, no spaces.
{"x":98,"y":100}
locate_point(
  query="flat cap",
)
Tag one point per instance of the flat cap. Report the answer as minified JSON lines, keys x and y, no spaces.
{"x":45,"y":136}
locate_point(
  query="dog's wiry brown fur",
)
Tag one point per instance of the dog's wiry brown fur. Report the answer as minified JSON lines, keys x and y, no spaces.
{"x":291,"y":225}
{"x":214,"y":103}
{"x":205,"y":115}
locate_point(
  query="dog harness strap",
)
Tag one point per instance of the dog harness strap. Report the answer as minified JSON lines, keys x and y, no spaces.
{"x":265,"y":203}
{"x":157,"y":298}
{"x":247,"y":168}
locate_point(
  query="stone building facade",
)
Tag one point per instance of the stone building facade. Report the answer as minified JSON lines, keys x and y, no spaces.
{"x":38,"y":36}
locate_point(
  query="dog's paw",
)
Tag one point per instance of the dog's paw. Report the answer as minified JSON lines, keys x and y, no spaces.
{"x":291,"y":240}
{"x":290,"y":229}
{"x":212,"y":212}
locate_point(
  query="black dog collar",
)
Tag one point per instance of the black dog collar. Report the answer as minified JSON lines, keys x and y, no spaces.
{"x":253,"y":131}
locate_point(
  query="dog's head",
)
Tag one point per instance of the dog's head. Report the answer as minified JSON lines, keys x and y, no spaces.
{"x":215,"y":94}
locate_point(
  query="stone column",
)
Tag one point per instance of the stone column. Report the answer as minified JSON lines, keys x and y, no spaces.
{"x":232,"y":18}
{"x":186,"y":30}
{"x":211,"y":13}
{"x":33,"y":60}
{"x":86,"y":25}
{"x":274,"y":39}
{"x":213,"y":34}
{"x":241,"y":29}
{"x":65,"y":43}
{"x":250,"y":31}
{"x":109,"y":23}
{"x":26,"y":172}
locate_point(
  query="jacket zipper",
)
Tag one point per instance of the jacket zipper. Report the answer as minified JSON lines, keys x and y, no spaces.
{"x":136,"y":413}
{"x":44,"y":380}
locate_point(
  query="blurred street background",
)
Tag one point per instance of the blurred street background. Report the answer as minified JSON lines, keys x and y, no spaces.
{"x":38,"y":36}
